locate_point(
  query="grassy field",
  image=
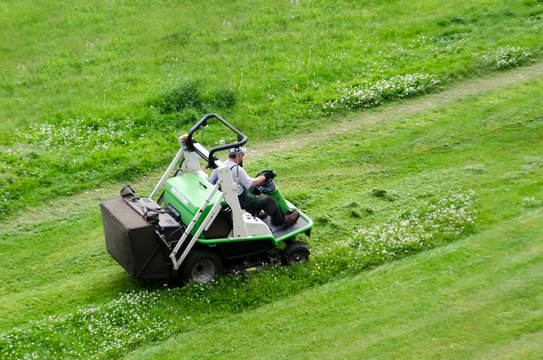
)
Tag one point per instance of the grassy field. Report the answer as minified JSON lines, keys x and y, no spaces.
{"x":55,"y":264}
{"x":81,"y":84}
{"x":462,"y":301}
{"x":427,"y":210}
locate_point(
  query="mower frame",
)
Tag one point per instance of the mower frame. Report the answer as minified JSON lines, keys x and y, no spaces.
{"x":248,"y":234}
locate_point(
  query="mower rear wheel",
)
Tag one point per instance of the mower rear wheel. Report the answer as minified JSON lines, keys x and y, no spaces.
{"x":295,"y":253}
{"x":200,"y":266}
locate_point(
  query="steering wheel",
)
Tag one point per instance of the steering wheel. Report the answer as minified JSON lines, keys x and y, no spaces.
{"x":267,"y":185}
{"x":265,"y":182}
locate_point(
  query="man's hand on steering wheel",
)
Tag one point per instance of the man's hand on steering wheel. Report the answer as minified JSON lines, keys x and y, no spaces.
{"x":269,"y":174}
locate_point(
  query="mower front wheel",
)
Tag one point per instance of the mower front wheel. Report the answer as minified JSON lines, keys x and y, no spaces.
{"x":295,"y":253}
{"x":200,"y":266}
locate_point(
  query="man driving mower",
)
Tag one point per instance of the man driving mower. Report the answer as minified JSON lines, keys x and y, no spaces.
{"x":247,"y":199}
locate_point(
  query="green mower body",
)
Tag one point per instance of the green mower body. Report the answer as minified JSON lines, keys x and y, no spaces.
{"x":195,"y":228}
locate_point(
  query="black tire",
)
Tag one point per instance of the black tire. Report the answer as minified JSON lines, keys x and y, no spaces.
{"x":295,"y":253}
{"x":200,"y":266}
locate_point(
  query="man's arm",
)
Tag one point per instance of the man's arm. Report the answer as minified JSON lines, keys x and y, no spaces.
{"x":268,"y":175}
{"x":244,"y":179}
{"x":258,"y":180}
{"x":214,"y":177}
{"x":247,"y":181}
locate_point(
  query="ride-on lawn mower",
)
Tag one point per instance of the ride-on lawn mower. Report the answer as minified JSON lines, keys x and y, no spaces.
{"x":194,"y":229}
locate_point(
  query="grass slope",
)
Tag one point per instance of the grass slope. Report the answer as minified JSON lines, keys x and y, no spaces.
{"x":81,"y":83}
{"x":479,"y":298}
{"x":55,"y":262}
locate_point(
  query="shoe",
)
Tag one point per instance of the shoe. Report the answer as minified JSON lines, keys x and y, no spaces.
{"x":291,"y":219}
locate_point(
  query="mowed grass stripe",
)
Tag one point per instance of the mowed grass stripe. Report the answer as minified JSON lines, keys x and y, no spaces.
{"x":478,"y":298}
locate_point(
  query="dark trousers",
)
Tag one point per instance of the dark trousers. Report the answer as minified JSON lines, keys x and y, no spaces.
{"x":254,"y":203}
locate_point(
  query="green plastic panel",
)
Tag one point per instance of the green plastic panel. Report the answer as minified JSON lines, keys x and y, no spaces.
{"x":280,"y":200}
{"x":186,"y":193}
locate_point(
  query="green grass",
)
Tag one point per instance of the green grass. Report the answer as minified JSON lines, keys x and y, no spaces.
{"x":93,"y":95}
{"x":55,"y":262}
{"x":475,"y":299}
{"x":81,"y":84}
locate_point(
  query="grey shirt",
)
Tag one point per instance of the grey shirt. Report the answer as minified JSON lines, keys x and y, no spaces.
{"x":239,"y":175}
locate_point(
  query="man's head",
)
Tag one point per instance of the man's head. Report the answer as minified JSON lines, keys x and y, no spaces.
{"x":236,"y":154}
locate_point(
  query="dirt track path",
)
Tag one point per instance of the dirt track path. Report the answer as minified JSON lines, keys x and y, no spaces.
{"x":64,"y":208}
{"x":451,"y":94}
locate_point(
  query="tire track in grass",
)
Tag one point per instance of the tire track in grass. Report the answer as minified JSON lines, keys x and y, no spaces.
{"x":357,"y":120}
